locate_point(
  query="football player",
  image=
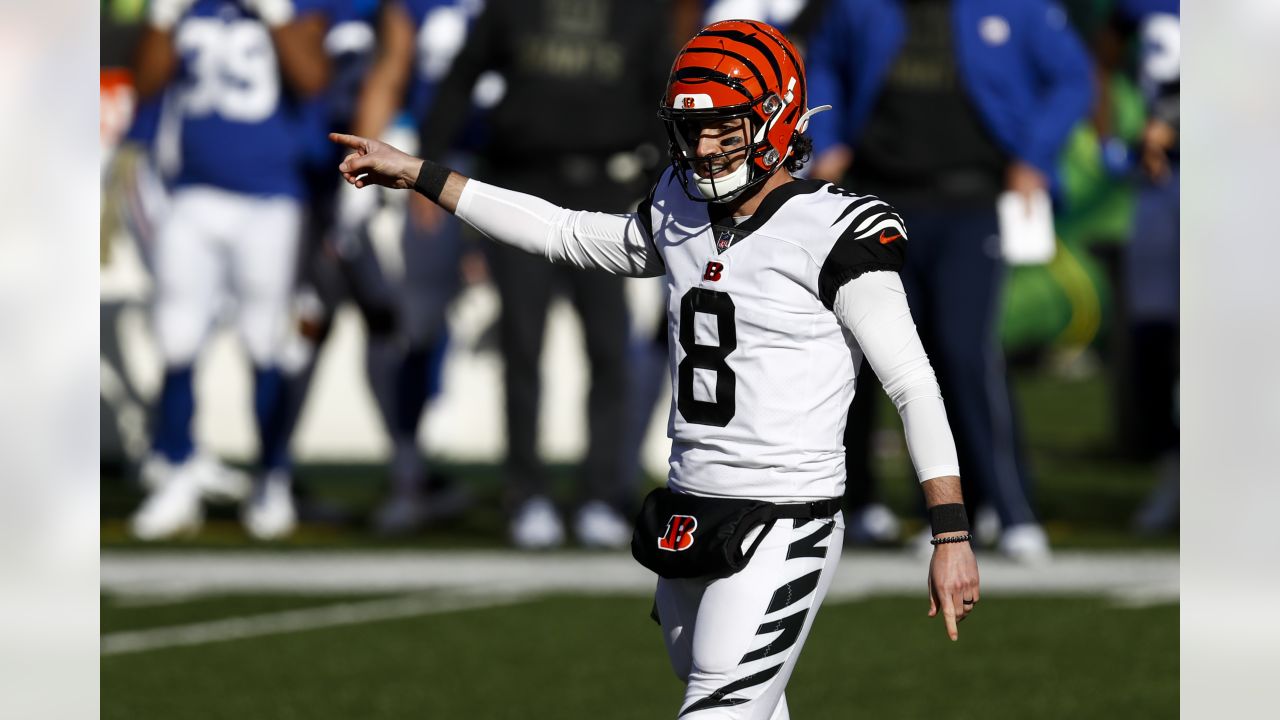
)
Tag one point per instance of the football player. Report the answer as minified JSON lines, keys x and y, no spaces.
{"x":239,"y":71}
{"x":778,"y":287}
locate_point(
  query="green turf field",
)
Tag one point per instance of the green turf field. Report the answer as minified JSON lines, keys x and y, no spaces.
{"x":578,"y":657}
{"x":573,"y":656}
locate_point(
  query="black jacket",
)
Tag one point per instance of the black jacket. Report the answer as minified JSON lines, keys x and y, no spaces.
{"x":583,"y":77}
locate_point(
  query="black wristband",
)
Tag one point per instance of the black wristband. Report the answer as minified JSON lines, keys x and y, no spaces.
{"x":431,"y":180}
{"x":952,"y":539}
{"x":950,"y":517}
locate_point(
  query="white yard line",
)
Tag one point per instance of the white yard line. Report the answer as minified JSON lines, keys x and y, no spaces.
{"x":327,"y":616}
{"x":464,"y":580}
{"x":1150,"y":575}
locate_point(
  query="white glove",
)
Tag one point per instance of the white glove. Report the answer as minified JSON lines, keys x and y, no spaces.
{"x":164,"y":14}
{"x":272,"y":12}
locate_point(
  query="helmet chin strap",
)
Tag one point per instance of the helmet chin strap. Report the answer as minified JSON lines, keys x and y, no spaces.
{"x":717,"y":189}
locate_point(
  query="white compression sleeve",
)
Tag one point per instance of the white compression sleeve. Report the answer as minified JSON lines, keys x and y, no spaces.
{"x":617,"y":244}
{"x":874,"y":308}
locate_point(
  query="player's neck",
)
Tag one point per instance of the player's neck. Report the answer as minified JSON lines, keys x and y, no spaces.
{"x":748,"y":204}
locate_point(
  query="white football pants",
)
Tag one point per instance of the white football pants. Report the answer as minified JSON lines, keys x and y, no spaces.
{"x":734,"y":641}
{"x":214,"y":242}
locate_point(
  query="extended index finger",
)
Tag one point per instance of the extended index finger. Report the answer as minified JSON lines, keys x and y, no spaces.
{"x":949,"y":615}
{"x":355,"y":142}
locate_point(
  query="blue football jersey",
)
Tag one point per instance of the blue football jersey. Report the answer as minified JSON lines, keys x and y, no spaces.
{"x":778,"y":13}
{"x":350,"y":45}
{"x":145,"y":124}
{"x":441,"y":27}
{"x":1159,"y":33}
{"x":241,"y":127}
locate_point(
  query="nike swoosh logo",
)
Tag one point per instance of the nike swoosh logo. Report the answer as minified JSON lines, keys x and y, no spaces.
{"x":885,"y":240}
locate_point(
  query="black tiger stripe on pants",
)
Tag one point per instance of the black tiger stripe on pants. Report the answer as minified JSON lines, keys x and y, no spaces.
{"x":734,"y":641}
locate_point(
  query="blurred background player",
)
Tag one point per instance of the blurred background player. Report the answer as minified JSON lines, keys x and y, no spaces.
{"x":336,"y":261}
{"x":581,"y":76}
{"x":137,"y":198}
{"x":240,"y":72}
{"x":941,"y":105}
{"x":417,"y":42}
{"x":1151,"y":265}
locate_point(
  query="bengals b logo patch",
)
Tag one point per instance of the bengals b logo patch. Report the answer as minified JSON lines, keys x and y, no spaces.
{"x":679,"y":533}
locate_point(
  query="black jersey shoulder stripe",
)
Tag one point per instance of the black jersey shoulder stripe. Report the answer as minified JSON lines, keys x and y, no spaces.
{"x":751,"y":40}
{"x":737,"y":56}
{"x":867,"y":224}
{"x":874,"y":224}
{"x":859,"y":206}
{"x":856,"y":253}
{"x":697,"y":73}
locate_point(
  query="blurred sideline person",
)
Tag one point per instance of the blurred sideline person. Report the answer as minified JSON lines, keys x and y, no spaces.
{"x":580,"y":79}
{"x":777,"y":287}
{"x":418,"y":41}
{"x":942,"y":106}
{"x":1151,"y":257}
{"x":240,"y":73}
{"x":404,"y":321}
{"x":333,"y":266}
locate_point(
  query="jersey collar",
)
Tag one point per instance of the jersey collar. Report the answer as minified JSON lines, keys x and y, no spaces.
{"x":726,"y":234}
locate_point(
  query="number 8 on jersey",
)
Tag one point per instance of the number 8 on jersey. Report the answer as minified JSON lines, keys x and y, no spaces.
{"x":708,"y":358}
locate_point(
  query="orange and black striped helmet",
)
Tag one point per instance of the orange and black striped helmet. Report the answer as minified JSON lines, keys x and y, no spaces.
{"x":736,"y":69}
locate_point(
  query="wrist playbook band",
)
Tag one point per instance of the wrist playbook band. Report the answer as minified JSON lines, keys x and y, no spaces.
{"x":949,"y":517}
{"x":431,"y":180}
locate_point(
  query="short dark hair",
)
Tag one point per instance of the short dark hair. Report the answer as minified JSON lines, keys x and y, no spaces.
{"x":801,"y":150}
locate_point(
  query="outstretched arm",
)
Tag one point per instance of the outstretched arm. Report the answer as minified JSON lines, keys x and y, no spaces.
{"x":874,"y":308}
{"x":617,"y":244}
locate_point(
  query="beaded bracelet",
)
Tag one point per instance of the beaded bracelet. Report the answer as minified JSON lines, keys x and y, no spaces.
{"x":956,"y":539}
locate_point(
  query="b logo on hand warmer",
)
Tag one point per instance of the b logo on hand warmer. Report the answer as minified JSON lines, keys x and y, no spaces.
{"x":679,"y":533}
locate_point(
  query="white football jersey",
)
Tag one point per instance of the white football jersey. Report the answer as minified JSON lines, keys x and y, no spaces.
{"x":762,"y":370}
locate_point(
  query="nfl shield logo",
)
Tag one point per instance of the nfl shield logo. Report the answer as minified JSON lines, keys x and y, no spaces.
{"x":725,"y":240}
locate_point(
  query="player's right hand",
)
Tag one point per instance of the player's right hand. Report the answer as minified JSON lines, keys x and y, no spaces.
{"x":376,"y":163}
